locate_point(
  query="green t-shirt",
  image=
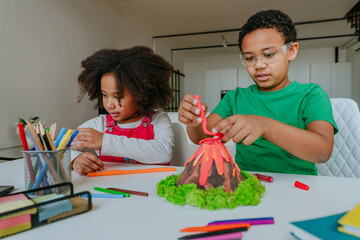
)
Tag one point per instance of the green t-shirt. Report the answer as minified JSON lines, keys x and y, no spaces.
{"x":296,"y":105}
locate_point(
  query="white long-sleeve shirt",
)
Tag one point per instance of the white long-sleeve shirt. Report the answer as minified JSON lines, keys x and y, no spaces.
{"x":156,"y":151}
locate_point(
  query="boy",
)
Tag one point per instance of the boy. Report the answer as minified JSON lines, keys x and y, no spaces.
{"x":277,"y":125}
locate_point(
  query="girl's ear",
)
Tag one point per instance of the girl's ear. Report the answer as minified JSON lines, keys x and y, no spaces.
{"x":293,"y":51}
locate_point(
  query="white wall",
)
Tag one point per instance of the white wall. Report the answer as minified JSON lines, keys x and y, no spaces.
{"x":195,"y":67}
{"x":42,"y":44}
{"x":314,"y":56}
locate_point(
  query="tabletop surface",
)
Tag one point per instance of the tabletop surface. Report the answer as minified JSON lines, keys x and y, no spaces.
{"x":152,"y":217}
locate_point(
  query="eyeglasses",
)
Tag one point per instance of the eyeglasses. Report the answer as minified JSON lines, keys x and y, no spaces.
{"x":269,"y":56}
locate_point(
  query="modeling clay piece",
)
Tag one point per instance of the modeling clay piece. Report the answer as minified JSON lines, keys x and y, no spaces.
{"x":301,"y":185}
{"x":211,"y":165}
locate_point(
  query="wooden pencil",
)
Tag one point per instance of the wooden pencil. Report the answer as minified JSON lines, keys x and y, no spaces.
{"x":214,"y":233}
{"x":129,"y":191}
{"x":51,"y":141}
{"x":53,"y":130}
{"x":39,"y":146}
{"x":34,"y":135}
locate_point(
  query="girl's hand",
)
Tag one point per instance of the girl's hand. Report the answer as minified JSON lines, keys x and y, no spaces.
{"x":245,"y":128}
{"x":88,"y":138}
{"x":86,"y":163}
{"x":189,"y":114}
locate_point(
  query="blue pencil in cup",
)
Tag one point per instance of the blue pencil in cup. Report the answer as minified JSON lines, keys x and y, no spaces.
{"x":59,"y":137}
{"x":37,"y":158}
{"x":41,"y":175}
{"x":75,"y":132}
{"x":48,"y":162}
{"x":61,"y":167}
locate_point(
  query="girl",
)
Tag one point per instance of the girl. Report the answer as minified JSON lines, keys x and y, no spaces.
{"x":131,"y":85}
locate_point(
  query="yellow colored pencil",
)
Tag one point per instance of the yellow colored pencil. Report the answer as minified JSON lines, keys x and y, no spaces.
{"x":63,"y":140}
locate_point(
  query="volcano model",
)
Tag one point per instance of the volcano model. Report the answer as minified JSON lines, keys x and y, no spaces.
{"x":211,"y":165}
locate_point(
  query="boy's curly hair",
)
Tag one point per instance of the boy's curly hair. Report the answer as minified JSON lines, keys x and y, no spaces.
{"x":274,"y":19}
{"x":142,"y":72}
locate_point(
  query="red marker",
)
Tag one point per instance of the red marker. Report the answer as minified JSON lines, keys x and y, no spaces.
{"x":23,"y":136}
{"x":264,"y":178}
{"x":301,"y":185}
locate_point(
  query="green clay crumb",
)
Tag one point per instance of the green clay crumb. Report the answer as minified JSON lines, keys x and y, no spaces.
{"x":248,"y":192}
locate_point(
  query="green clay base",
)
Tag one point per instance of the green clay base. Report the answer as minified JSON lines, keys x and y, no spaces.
{"x":248,"y":192}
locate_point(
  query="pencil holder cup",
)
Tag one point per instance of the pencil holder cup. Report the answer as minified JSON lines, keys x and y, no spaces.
{"x":44,"y":168}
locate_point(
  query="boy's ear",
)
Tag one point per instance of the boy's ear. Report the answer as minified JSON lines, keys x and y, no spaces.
{"x":293,"y":51}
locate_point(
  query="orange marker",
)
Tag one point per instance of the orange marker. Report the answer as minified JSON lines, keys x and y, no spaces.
{"x":135,"y":171}
{"x":211,"y":228}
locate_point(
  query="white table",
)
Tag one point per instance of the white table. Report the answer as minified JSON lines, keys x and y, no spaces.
{"x":153,"y":217}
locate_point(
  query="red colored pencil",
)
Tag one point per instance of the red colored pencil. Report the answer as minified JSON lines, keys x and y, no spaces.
{"x":23,"y":137}
{"x":26,"y":148}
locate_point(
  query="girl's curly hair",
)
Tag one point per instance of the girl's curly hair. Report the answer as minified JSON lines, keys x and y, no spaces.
{"x":274,"y":19}
{"x":142,"y":72}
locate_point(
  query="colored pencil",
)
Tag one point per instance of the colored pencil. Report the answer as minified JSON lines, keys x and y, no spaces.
{"x":43,"y":168}
{"x":111,"y":191}
{"x":251,"y":221}
{"x":35,"y":137}
{"x":42,"y":141}
{"x":37,"y":129}
{"x":135,"y":171}
{"x":42,"y":129}
{"x":130,"y":191}
{"x":99,"y":195}
{"x":51,"y":141}
{"x":214,"y":233}
{"x":53,"y":130}
{"x":73,"y":135}
{"x":59,"y":137}
{"x":65,"y":139}
{"x":40,"y":176}
{"x":57,"y":161}
{"x":226,"y":236}
{"x":38,"y":146}
{"x":23,"y":137}
{"x":215,"y":228}
{"x":26,"y":148}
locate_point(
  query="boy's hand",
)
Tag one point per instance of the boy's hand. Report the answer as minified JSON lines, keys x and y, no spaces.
{"x":245,"y":128}
{"x":86,"y":163}
{"x":88,"y":138}
{"x":189,"y":114}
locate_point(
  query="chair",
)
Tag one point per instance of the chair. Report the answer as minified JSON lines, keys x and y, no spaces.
{"x":345,"y":157}
{"x":181,"y":149}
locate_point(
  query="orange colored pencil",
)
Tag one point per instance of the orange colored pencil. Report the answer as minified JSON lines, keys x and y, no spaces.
{"x":34,"y":135}
{"x":51,"y":141}
{"x":135,"y":171}
{"x":211,"y":228}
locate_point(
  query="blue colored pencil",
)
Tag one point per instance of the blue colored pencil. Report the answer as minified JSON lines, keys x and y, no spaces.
{"x":40,"y":176}
{"x":99,"y":195}
{"x":59,"y":137}
{"x":43,"y":169}
{"x":75,"y":132}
